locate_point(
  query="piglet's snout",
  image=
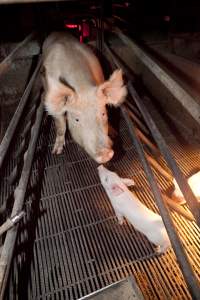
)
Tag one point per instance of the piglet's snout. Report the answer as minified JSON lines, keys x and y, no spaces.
{"x":101,"y":169}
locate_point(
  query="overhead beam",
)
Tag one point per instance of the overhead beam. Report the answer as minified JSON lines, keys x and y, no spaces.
{"x":186,"y":100}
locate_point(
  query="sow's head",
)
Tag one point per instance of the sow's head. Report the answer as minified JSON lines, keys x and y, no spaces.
{"x":87,"y":114}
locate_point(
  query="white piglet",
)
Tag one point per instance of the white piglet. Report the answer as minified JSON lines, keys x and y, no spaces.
{"x":127,"y":205}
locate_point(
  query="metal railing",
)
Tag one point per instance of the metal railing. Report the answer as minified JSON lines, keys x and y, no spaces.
{"x":19,"y":197}
{"x":28,"y":154}
{"x":17,"y":179}
{"x":5,"y":66}
{"x":179,"y":250}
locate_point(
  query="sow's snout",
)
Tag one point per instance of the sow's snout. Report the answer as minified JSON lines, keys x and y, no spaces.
{"x":104,"y":152}
{"x":104,"y":155}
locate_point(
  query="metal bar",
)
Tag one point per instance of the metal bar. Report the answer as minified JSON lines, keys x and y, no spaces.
{"x":16,"y":117}
{"x":33,"y":108}
{"x":146,"y":141}
{"x":19,"y":196}
{"x":117,"y":62}
{"x":7,"y":62}
{"x":120,"y":19}
{"x":181,"y":255}
{"x":179,"y":93}
{"x":182,"y":182}
{"x":158,"y":167}
{"x":134,"y":109}
{"x":13,"y":175}
{"x":178,"y":208}
{"x":21,"y":147}
{"x":11,"y":222}
{"x":136,"y":119}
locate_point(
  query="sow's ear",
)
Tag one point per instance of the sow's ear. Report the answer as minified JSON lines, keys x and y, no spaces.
{"x":60,"y":97}
{"x":69,"y":96}
{"x":113,"y":89}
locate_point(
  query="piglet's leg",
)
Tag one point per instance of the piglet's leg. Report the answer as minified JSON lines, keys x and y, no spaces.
{"x":60,"y":123}
{"x":120,"y":218}
{"x":128,"y":182}
{"x":161,"y":249}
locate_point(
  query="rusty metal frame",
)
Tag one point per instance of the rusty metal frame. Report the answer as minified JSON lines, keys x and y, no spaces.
{"x":179,"y":250}
{"x":19,"y":193}
{"x":9,"y":244}
{"x":17,"y":116}
{"x":183,"y":260}
{"x":19,"y":197}
{"x":178,"y":175}
{"x":182,"y":182}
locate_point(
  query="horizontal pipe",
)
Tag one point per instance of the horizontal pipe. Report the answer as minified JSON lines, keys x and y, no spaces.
{"x":8,"y":61}
{"x":179,"y":250}
{"x":19,"y":197}
{"x":17,"y":115}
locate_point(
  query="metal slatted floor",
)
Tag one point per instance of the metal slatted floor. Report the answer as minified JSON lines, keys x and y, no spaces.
{"x":70,"y":243}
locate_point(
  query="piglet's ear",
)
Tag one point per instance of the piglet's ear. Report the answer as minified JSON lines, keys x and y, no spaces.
{"x":113,"y":89}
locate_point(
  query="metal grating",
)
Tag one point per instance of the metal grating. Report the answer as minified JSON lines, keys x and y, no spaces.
{"x":70,"y":243}
{"x":123,"y":289}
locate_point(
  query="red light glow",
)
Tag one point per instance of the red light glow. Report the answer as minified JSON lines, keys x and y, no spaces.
{"x":167,"y":18}
{"x":71,"y":26}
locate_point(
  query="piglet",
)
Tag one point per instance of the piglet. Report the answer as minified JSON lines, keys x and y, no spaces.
{"x":127,"y":205}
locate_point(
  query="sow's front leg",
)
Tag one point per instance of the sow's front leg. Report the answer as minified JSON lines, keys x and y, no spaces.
{"x":60,"y":123}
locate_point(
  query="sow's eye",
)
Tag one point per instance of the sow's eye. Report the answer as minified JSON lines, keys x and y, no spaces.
{"x":75,"y":117}
{"x":104,"y":115}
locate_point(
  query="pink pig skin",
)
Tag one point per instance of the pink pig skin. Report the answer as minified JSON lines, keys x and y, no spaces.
{"x":127,"y":205}
{"x":74,"y":85}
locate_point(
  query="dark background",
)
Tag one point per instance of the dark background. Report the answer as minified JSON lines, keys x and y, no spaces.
{"x":17,"y":20}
